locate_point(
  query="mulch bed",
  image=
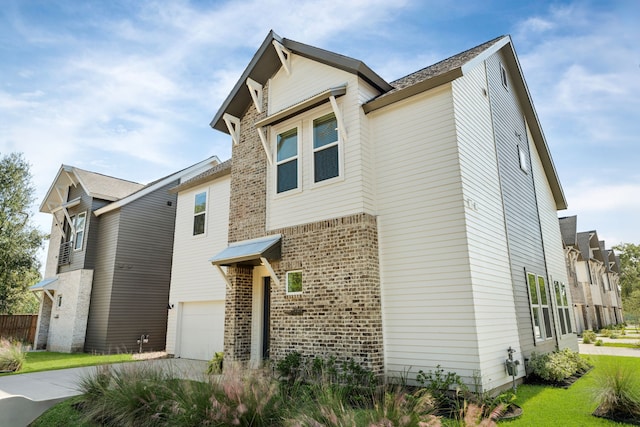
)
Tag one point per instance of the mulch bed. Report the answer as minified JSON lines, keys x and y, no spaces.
{"x":566,"y":383}
{"x":620,"y":418}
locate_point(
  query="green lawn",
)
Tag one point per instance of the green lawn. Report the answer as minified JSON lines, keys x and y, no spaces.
{"x":47,"y":361}
{"x":548,"y":406}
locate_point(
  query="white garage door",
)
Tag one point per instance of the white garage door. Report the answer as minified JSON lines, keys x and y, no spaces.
{"x":201,"y":330}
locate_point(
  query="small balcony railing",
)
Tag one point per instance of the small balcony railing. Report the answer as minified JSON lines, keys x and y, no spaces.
{"x":64,"y":256}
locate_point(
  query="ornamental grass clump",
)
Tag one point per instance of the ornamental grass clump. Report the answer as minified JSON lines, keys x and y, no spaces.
{"x":588,"y":337}
{"x":617,"y":391}
{"x":12,"y":356}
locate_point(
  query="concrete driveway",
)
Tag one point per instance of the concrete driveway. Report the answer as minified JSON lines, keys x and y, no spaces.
{"x":24,"y":397}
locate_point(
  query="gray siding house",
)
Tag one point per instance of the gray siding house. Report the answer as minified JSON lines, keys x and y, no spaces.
{"x":108,"y":271}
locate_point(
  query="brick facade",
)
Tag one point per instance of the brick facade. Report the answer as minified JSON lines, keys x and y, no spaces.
{"x":339,"y":311}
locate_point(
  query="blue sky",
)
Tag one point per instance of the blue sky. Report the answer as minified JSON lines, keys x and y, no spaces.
{"x":128,"y":88}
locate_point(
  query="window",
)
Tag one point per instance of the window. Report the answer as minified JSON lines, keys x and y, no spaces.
{"x":294,"y":282}
{"x":503,"y":77}
{"x":80,"y":221}
{"x":199,"y":213}
{"x":522,"y":156}
{"x":539,"y":307}
{"x":563,"y":308}
{"x":287,"y":161}
{"x":325,"y":148}
{"x":59,"y":301}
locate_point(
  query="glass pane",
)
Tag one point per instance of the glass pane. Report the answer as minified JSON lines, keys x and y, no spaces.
{"x":532,"y":288}
{"x":566,"y":315}
{"x":547,"y":321}
{"x":287,"y":176}
{"x":325,"y":163}
{"x":198,"y":224}
{"x":79,"y":240}
{"x":556,"y":286}
{"x":294,"y":281}
{"x":325,"y":130}
{"x":543,"y":290}
{"x":562,"y":323}
{"x":80,"y":222}
{"x":288,"y":144}
{"x":536,"y":322}
{"x":201,"y":203}
{"x":564,"y":295}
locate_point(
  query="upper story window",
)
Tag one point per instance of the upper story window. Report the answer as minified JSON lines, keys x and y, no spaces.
{"x":540,"y":313}
{"x":294,"y":282}
{"x":522,"y":157}
{"x":287,"y":161}
{"x":79,"y":225}
{"x":503,"y":77}
{"x":325,"y":148}
{"x":199,"y":213}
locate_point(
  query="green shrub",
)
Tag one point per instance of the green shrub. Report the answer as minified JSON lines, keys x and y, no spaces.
{"x":613,"y":336}
{"x":617,"y":391}
{"x":588,"y":337}
{"x":599,"y":343}
{"x":439,"y":384}
{"x":558,"y":366}
{"x":214,"y":366}
{"x":12,"y":356}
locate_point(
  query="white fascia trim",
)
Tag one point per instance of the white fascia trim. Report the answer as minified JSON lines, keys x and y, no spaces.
{"x":150,"y":189}
{"x":282,"y":51}
{"x":255,"y":89}
{"x":233,"y":124}
{"x":263,"y":139}
{"x":272,"y":273}
{"x":338,"y":113}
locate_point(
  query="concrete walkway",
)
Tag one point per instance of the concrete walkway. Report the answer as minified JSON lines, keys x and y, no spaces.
{"x":24,"y":397}
{"x":609,"y":351}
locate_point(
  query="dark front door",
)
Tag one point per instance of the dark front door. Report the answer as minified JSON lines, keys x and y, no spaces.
{"x":266,"y":316}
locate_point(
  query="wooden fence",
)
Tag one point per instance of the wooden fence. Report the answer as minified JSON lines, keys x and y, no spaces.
{"x":20,"y":326}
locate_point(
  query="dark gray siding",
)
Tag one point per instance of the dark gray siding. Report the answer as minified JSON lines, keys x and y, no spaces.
{"x":521,"y":213}
{"x":78,"y":257}
{"x":91,"y":239}
{"x":106,"y":246}
{"x":142,"y":272}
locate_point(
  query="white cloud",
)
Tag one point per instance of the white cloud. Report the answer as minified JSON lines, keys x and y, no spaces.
{"x":593,"y":196}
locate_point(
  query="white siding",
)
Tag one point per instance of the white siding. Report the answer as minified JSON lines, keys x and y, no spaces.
{"x":552,"y":241}
{"x":333,"y":198}
{"x":193,"y":278}
{"x":488,"y":251}
{"x":428,"y":309}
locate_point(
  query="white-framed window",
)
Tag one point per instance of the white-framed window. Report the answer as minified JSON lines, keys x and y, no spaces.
{"x":563,"y":307}
{"x":540,"y":312}
{"x":522,"y":158}
{"x":59,"y":301}
{"x":79,"y":225}
{"x":503,"y":77}
{"x":287,"y":174}
{"x":199,"y":213}
{"x":326,"y":151}
{"x":294,"y":282}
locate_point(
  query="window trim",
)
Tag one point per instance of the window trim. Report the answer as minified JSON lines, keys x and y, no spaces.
{"x":287,"y":283}
{"x":59,"y":301}
{"x":82,"y":232}
{"x":195,"y":214}
{"x":546,"y":330}
{"x":562,"y":307}
{"x":298,"y":157}
{"x":337,"y":143}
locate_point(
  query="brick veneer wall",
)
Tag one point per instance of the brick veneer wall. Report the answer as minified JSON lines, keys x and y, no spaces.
{"x":339,"y":311}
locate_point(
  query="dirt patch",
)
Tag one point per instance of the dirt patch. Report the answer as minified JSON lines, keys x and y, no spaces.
{"x":150,"y":355}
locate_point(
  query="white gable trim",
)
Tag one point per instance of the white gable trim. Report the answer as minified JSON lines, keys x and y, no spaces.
{"x":263,"y":139}
{"x":338,"y":113}
{"x":284,"y":54}
{"x":255,"y":89}
{"x":233,"y":124}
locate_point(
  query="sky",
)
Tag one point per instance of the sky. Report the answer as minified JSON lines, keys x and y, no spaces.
{"x":128,"y":88}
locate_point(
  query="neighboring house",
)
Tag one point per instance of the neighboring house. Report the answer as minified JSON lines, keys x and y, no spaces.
{"x":108,"y":268}
{"x":195,"y":328}
{"x":404,"y":225}
{"x":593,"y":277}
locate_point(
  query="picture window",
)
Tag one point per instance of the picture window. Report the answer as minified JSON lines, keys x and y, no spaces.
{"x":294,"y":282}
{"x":540,"y":311}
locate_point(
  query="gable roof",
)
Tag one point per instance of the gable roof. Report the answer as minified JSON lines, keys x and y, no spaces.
{"x":94,"y":184}
{"x":153,"y":186}
{"x":568,"y":229}
{"x":212,"y":173}
{"x":265,"y":63}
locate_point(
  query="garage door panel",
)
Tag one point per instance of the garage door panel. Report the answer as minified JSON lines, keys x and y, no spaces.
{"x":201,"y":329}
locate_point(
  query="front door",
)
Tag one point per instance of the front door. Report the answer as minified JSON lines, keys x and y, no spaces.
{"x":266,"y":316}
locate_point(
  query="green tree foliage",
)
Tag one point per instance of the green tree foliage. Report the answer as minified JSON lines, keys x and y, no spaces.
{"x":19,"y":240}
{"x":629,"y":278}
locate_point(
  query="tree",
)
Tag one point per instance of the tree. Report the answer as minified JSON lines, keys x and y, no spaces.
{"x":19,"y":240}
{"x":629,"y":267}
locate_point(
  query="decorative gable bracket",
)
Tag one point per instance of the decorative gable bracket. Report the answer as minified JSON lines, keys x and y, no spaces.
{"x":284,"y":54}
{"x":233,"y":124}
{"x":255,"y":89}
